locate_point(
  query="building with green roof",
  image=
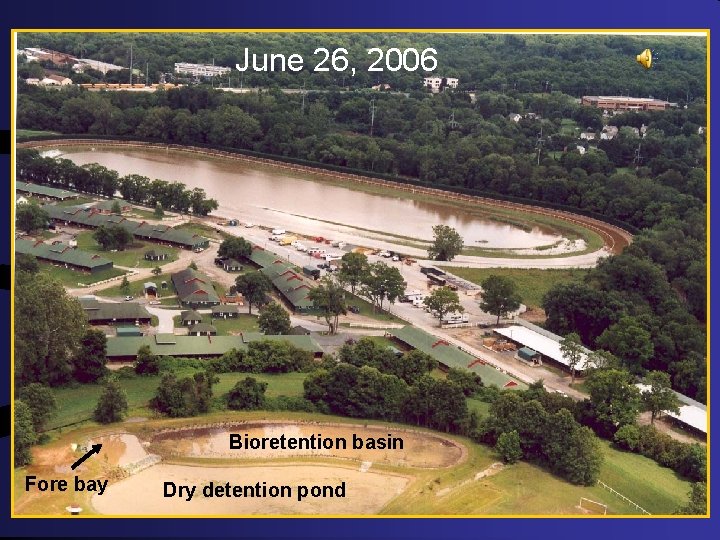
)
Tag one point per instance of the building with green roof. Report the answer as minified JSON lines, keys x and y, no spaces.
{"x":82,"y":216}
{"x":114,"y":312}
{"x":194,"y":290}
{"x":44,"y":192}
{"x":450,"y":356}
{"x":62,"y":254}
{"x":124,"y":349}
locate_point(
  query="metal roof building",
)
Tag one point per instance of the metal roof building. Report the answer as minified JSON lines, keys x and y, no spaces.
{"x":114,"y":312}
{"x":44,"y":191}
{"x":63,"y":254}
{"x":293,"y":286}
{"x":451,"y":356}
{"x":125,"y":348}
{"x":691,"y":413}
{"x":540,"y":340}
{"x":91,"y":217}
{"x":194,"y":289}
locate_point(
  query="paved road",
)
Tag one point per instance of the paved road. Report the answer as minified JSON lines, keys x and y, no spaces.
{"x":166,"y":324}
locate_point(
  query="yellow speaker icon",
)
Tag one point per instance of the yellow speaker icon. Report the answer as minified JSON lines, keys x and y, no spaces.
{"x":645,"y":58}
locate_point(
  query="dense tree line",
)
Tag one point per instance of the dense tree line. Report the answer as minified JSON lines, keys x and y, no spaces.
{"x":99,"y":180}
{"x":553,"y":438}
{"x":576,"y":65}
{"x":372,"y":381}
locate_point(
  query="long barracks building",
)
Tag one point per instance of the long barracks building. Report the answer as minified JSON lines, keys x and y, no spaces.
{"x":92,"y":218}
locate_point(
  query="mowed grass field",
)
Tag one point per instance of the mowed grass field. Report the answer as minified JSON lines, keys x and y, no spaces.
{"x":527,"y":489}
{"x":133,"y":256}
{"x":77,"y":404}
{"x":532,"y":283}
{"x":73,"y":278}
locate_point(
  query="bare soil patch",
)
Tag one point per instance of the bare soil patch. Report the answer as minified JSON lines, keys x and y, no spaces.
{"x":365,"y":493}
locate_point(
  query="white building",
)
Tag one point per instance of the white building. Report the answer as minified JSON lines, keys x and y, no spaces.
{"x":21,"y":200}
{"x":588,"y":136}
{"x":32,"y":81}
{"x":437,"y":84}
{"x":200,"y":70}
{"x":581,"y":149}
{"x":515,"y":117}
{"x":55,"y":80}
{"x":691,"y":413}
{"x":609,"y":133}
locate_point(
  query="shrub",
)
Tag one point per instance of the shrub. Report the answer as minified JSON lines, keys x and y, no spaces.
{"x":508,"y":446}
{"x":112,"y":405}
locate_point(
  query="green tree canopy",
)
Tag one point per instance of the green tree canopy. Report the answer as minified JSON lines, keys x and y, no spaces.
{"x":573,"y":352}
{"x":329,"y":298}
{"x":41,"y":402}
{"x":89,"y":362}
{"x":112,"y":404}
{"x":247,"y":394}
{"x":254,"y":286}
{"x":274,"y":319}
{"x":48,"y":327}
{"x":659,"y":397}
{"x":25,"y":436}
{"x":442,"y":301}
{"x":614,"y":397}
{"x":447,"y":243}
{"x":236,"y":248}
{"x":31,"y":217}
{"x":499,"y":296}
{"x":353,"y":270}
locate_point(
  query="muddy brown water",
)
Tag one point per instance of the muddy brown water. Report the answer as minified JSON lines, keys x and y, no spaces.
{"x":294,"y":200}
{"x":419,"y":449}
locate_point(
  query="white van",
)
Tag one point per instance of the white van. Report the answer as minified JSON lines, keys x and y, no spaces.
{"x":278,"y":232}
{"x":418,"y":301}
{"x":332,"y":257}
{"x":277,"y":237}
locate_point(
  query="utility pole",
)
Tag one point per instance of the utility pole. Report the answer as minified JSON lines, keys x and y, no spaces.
{"x":372,"y":116}
{"x":638,"y":157}
{"x":302,"y":106}
{"x":131,"y":62}
{"x":147,"y":73}
{"x":539,"y":144}
{"x":452,"y":123}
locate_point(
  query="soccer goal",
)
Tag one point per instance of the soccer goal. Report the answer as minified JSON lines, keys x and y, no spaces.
{"x":592,"y":507}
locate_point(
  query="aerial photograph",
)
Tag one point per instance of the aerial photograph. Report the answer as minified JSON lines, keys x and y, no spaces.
{"x":359,"y":273}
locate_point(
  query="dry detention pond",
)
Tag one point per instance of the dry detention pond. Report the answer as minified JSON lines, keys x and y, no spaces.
{"x":367,"y":491}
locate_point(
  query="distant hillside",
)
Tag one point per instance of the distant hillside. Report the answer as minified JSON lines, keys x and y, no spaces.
{"x":572,"y":64}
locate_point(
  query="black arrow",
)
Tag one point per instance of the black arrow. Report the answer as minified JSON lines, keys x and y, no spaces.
{"x":95,"y":450}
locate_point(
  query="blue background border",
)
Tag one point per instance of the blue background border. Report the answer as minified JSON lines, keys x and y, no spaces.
{"x":605,"y":14}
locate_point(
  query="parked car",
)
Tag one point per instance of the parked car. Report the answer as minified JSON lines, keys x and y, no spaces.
{"x":385,"y":254}
{"x":128,"y":298}
{"x":155,"y":302}
{"x":395,"y":258}
{"x":353,"y":309}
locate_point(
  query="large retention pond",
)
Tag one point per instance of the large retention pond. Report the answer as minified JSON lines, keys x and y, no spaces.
{"x":294,"y":200}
